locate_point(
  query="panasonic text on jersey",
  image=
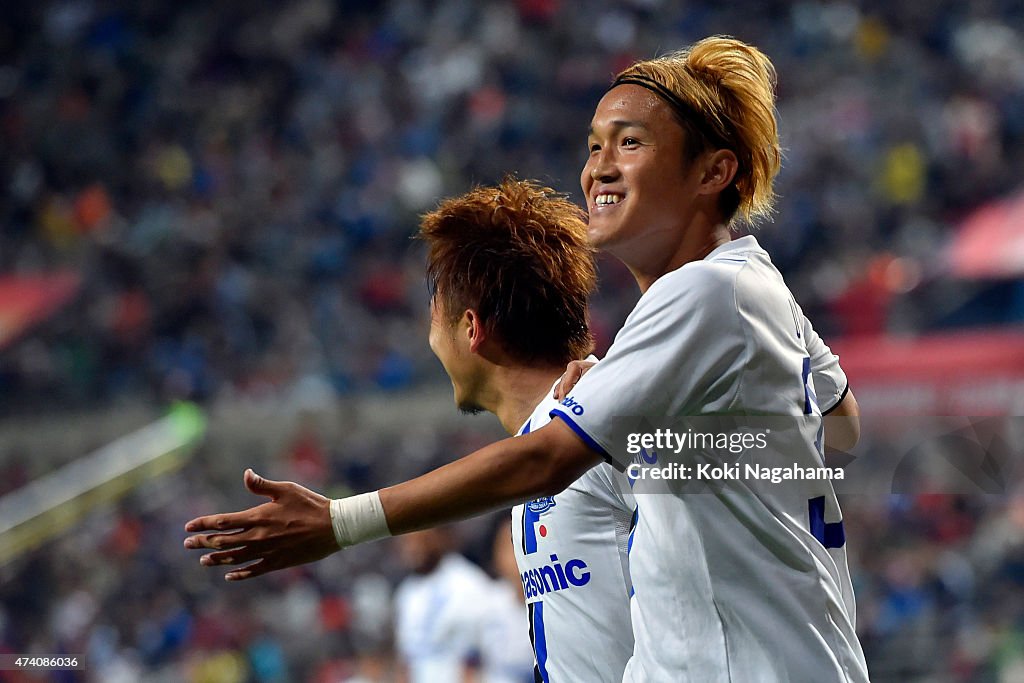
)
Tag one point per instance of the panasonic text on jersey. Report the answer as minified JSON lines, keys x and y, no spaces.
{"x":555,"y":577}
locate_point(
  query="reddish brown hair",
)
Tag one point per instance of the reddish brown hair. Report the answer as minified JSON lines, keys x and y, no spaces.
{"x":517,"y":254}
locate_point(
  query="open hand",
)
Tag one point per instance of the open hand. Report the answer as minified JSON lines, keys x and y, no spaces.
{"x":292,"y":529}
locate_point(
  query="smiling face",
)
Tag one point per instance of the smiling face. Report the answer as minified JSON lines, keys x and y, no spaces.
{"x":640,"y":191}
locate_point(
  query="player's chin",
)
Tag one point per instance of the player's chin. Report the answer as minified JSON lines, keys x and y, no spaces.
{"x":469,"y":408}
{"x":602,"y":231}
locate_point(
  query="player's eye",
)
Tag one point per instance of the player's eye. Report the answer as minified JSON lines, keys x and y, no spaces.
{"x":630,"y":142}
{"x":594,"y":147}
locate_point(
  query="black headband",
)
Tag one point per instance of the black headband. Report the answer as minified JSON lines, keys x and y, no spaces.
{"x":681,"y":108}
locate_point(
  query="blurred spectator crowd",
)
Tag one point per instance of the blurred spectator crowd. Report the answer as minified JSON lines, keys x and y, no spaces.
{"x":121,"y":591}
{"x":237,"y":183}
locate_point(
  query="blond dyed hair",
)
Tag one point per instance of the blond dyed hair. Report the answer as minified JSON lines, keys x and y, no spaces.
{"x":731,"y":86}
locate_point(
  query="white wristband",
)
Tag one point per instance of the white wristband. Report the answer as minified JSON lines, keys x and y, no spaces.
{"x":358,"y":519}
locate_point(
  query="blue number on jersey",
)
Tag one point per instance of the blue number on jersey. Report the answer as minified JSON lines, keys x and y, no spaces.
{"x":810,"y":403}
{"x":830,"y":535}
{"x":810,"y":400}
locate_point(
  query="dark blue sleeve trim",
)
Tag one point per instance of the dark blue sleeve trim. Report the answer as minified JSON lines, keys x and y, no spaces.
{"x":587,"y":439}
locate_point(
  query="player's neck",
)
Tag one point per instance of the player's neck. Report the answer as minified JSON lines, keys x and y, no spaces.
{"x":704,"y":235}
{"x":515,"y":391}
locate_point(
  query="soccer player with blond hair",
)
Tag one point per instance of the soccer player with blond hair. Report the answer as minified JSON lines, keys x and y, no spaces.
{"x":742,"y":580}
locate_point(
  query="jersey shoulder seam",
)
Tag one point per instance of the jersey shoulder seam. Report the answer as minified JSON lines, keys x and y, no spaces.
{"x":748,"y":338}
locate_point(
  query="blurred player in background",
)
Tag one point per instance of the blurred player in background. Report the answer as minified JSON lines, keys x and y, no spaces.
{"x":506,"y":652}
{"x":749,"y":581}
{"x":455,"y":623}
{"x":440,"y":609}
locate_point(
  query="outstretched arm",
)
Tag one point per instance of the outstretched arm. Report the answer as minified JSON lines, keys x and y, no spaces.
{"x":295,"y":527}
{"x":541,"y":463}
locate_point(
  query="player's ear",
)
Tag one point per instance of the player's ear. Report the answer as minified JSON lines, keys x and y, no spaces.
{"x":473,"y":328}
{"x":720,"y":168}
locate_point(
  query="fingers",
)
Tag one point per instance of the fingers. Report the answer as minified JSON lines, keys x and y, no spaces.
{"x":567,"y":382}
{"x":251,"y":571}
{"x":247,"y":518}
{"x":573,"y":372}
{"x":222,"y":522}
{"x":231,"y":556}
{"x":218,"y":541}
{"x":262,"y":486}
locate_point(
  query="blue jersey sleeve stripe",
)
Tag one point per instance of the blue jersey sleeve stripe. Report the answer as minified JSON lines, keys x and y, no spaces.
{"x":540,"y":642}
{"x":629,"y":545}
{"x":587,"y":439}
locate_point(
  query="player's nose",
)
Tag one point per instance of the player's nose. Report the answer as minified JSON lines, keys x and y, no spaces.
{"x":604,"y":168}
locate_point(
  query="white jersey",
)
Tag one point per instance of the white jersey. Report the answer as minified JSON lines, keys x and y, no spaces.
{"x":736,"y":578}
{"x":571,"y":551}
{"x":505,"y":652}
{"x":438,"y":619}
{"x":830,"y":383}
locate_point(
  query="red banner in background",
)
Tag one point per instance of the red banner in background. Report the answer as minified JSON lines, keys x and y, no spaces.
{"x":990,"y":242}
{"x":964,"y":373}
{"x":26,"y":300}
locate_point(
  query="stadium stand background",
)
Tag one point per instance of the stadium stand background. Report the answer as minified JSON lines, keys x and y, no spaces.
{"x":213,"y":202}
